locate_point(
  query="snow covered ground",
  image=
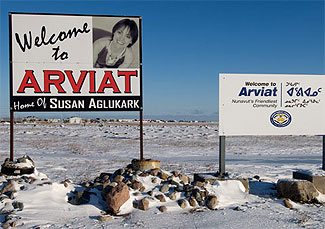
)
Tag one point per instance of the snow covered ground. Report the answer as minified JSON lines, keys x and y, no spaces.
{"x":81,"y":152}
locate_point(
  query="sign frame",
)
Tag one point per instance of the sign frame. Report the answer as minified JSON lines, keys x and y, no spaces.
{"x":261,"y":99}
{"x":125,"y":103}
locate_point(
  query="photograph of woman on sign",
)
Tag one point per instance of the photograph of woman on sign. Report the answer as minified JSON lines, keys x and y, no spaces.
{"x":115,"y":48}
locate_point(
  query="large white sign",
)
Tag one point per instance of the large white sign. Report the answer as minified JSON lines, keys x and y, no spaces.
{"x":251,"y":104}
{"x":75,"y":63}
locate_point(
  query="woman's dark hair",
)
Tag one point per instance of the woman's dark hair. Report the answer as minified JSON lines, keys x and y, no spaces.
{"x":133,"y":29}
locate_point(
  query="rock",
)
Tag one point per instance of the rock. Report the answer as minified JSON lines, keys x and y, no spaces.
{"x":32,"y":180}
{"x":23,"y":165}
{"x":106,"y":190}
{"x":143,"y":204}
{"x":106,"y":183}
{"x":5,"y":211}
{"x":172,"y":182}
{"x":136,"y":185}
{"x":142,"y":189}
{"x":256,"y":177}
{"x":81,"y":197}
{"x":87,"y":185}
{"x":6,"y":224}
{"x":188,"y":188}
{"x":192,"y":202}
{"x":150,"y":193}
{"x":104,"y":218}
{"x":118,"y":179}
{"x":175,"y":173}
{"x":116,"y":197}
{"x":10,"y":186}
{"x":179,"y":188}
{"x":184,"y":178}
{"x":137,"y":194}
{"x":18,"y":205}
{"x":204,"y":194}
{"x":197,"y":196}
{"x":104,"y":177}
{"x":199,"y":184}
{"x":201,"y":203}
{"x":287,"y":203}
{"x":2,"y":197}
{"x":187,"y":194}
{"x":13,"y":224}
{"x":163,"y":176}
{"x":154,"y":180}
{"x":65,"y":184}
{"x":182,"y":203}
{"x":172,"y":195}
{"x":144,"y":174}
{"x":318,"y":181}
{"x":299,"y":191}
{"x":164,"y":188}
{"x":66,"y":180}
{"x":129,"y":169}
{"x":162,"y":208}
{"x":212,"y":202}
{"x":155,"y":172}
{"x":11,"y":195}
{"x":160,"y":197}
{"x":113,"y":184}
{"x":135,"y":204}
{"x":170,"y":178}
{"x":25,"y":159}
{"x":98,"y":186}
{"x":9,"y":217}
{"x":237,"y":208}
{"x":212,"y":177}
{"x":119,"y":172}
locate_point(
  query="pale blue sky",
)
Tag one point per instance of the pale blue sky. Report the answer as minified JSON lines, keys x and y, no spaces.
{"x":186,"y":44}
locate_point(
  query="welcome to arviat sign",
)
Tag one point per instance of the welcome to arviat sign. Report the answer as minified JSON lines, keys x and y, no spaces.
{"x":75,"y":63}
{"x":270,"y":104}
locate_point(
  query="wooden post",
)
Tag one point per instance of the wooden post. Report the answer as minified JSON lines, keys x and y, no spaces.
{"x":11,"y":136}
{"x":141,"y":135}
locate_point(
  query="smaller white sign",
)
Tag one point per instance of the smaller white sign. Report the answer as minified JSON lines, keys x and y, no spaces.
{"x":267,"y":104}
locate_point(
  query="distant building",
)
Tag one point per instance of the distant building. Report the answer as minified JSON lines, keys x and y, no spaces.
{"x":31,"y":119}
{"x":75,"y":120}
{"x":125,"y":120}
{"x":4,"y":120}
{"x":54,"y":120}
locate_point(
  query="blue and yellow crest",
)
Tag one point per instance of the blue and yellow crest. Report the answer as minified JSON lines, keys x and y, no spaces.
{"x":280,"y":118}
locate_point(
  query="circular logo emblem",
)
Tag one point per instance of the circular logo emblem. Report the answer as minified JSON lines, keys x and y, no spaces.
{"x":280,"y":118}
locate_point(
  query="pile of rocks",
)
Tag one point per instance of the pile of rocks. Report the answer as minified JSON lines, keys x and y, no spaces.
{"x":305,"y":187}
{"x":16,"y":176}
{"x":118,"y":187}
{"x":23,"y":165}
{"x":10,"y":186}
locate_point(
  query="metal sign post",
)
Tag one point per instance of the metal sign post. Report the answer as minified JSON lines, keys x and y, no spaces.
{"x":141,"y":135}
{"x":11,"y":136}
{"x":222,"y":155}
{"x":323,"y":167}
